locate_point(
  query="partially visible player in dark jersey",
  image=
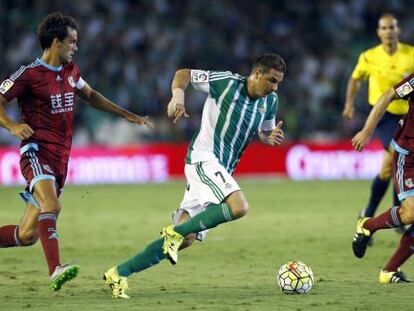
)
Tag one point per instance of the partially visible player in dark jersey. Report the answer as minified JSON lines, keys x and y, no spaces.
{"x":382,"y":66}
{"x":45,"y":91}
{"x":403,"y":145}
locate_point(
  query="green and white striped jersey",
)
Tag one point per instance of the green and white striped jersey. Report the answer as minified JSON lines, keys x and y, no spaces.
{"x":230,"y":118}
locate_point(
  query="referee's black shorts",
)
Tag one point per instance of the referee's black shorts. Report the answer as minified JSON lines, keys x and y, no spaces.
{"x":387,"y":128}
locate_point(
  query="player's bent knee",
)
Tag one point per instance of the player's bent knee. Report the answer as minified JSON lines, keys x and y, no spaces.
{"x":238,"y":204}
{"x":28,"y":237}
{"x":53,"y":206}
{"x":29,"y":241}
{"x":407,"y":214}
{"x":240,"y":210}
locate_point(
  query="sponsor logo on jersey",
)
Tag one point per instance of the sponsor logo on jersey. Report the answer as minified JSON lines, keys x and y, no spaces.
{"x":409,"y":183}
{"x":60,"y":104}
{"x":404,"y":89}
{"x":199,"y":76}
{"x":6,"y":85}
{"x":71,"y":81}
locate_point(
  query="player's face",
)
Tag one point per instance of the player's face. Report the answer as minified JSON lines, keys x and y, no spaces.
{"x":388,"y":30}
{"x":267,"y":82}
{"x":68,"y":46}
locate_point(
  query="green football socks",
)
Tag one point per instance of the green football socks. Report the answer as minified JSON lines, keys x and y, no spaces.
{"x":211,"y":217}
{"x":151,"y":255}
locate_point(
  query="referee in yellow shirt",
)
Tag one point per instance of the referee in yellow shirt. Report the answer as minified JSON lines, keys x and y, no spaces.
{"x":383,"y":66}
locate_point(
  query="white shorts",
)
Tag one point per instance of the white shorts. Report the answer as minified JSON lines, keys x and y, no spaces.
{"x":208,"y":183}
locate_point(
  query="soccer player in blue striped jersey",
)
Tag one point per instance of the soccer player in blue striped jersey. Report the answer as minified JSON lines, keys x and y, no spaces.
{"x":235,"y":110}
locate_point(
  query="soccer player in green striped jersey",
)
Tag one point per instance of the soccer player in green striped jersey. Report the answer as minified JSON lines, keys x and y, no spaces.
{"x":235,"y":110}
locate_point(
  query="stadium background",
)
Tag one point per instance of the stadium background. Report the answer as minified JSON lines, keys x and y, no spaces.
{"x":129,"y":50}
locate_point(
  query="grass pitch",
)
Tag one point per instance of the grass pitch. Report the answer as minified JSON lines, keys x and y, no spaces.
{"x":234,"y":269}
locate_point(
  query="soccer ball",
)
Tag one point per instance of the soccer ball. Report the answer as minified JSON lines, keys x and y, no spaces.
{"x":295,"y":277}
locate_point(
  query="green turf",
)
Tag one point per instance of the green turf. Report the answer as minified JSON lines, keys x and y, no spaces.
{"x":234,"y":269}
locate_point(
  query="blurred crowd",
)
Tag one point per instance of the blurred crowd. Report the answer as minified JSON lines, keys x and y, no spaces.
{"x":129,"y":51}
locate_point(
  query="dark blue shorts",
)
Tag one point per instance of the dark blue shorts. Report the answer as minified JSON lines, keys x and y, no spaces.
{"x":387,"y":128}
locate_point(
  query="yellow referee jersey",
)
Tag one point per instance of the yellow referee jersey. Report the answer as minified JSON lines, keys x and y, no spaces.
{"x":383,"y":71}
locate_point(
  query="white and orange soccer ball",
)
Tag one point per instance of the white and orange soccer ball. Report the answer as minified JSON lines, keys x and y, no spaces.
{"x":295,"y":277}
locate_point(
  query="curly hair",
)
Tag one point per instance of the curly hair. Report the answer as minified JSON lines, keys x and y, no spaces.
{"x":270,"y":61}
{"x":55,"y":25}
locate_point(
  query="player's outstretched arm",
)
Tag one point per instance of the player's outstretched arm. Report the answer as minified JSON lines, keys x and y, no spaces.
{"x":351,"y":92}
{"x":360,"y":140}
{"x":176,"y":108}
{"x":20,"y":130}
{"x":274,"y":137}
{"x":100,"y":102}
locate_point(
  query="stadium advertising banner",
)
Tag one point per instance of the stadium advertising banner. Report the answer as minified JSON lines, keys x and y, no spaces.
{"x":161,"y":162}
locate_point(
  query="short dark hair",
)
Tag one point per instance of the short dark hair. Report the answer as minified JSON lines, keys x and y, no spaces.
{"x":270,"y":61}
{"x":55,"y":25}
{"x":387,"y":15}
